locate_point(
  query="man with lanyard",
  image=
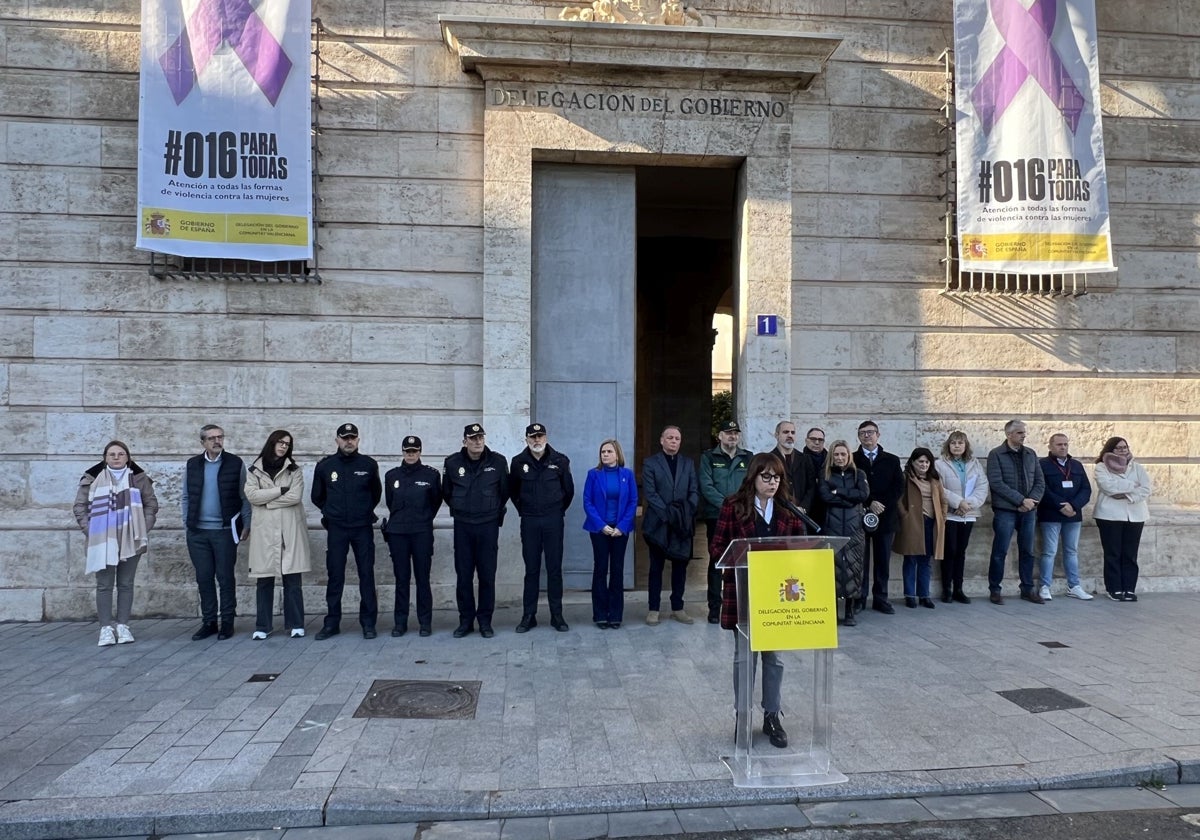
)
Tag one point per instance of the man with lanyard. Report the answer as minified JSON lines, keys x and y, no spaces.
{"x":541,"y":488}
{"x":214,"y":510}
{"x":346,"y":489}
{"x":475,"y":484}
{"x":1060,"y":514}
{"x":722,"y":469}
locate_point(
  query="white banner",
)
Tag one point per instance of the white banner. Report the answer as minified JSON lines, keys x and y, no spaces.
{"x":224,"y":129}
{"x":1032,"y":192}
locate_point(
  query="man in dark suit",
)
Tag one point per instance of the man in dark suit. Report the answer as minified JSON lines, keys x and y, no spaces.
{"x":799,"y":467}
{"x":886,"y":479}
{"x":671,"y":494}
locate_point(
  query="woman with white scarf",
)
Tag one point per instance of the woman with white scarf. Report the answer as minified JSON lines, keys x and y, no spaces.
{"x":1122,"y":486}
{"x":116,"y":508}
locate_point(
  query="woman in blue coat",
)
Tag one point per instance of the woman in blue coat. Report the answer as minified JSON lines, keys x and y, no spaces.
{"x":609,"y":504}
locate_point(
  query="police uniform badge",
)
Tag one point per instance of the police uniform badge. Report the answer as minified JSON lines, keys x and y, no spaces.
{"x":525,"y":467}
{"x":397,"y":484}
{"x":333,"y":476}
{"x":462,"y":471}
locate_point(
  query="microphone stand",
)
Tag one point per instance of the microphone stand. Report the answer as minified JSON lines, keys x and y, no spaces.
{"x":808,"y":521}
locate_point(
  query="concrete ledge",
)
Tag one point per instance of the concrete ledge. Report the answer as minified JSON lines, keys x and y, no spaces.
{"x":1188,"y":759}
{"x":363,"y":806}
{"x":189,"y":813}
{"x":47,"y":819}
{"x":1125,"y":769}
{"x":540,"y":802}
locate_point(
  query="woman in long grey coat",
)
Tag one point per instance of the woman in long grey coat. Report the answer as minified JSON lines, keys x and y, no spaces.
{"x":844,"y":491}
{"x":279,"y":538}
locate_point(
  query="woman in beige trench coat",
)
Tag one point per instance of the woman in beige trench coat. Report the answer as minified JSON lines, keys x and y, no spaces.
{"x":279,"y":538}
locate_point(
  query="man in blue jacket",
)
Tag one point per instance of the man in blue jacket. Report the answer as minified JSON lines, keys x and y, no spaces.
{"x":1060,"y":515}
{"x":541,"y":488}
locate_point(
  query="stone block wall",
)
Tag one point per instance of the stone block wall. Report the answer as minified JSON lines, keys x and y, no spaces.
{"x":92,"y":347}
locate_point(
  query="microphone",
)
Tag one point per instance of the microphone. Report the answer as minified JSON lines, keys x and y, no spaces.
{"x":808,"y":521}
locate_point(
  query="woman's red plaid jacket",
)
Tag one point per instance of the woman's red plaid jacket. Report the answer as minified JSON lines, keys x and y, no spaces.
{"x":730,"y":528}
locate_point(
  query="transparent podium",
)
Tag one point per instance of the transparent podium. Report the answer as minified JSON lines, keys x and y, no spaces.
{"x":807,"y":696}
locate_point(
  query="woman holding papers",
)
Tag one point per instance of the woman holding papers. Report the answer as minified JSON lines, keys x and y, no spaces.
{"x":751,"y":512}
{"x":279,"y":538}
{"x":116,"y":507}
{"x":965,"y":487}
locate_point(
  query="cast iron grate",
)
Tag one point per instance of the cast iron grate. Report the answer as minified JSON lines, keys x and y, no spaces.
{"x":420,"y":699}
{"x":1038,"y":700}
{"x":262,"y":678}
{"x":1054,"y":645}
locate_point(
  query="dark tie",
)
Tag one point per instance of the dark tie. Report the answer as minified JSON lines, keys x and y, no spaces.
{"x":871,"y":457}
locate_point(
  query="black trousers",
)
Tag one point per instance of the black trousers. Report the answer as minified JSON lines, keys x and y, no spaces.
{"x":341,"y":541}
{"x":214,"y":555}
{"x":293,"y":603}
{"x":958,"y":534}
{"x":714,"y":574}
{"x":475,"y":550}
{"x":877,"y":558}
{"x":658,"y":561}
{"x":542,"y":535}
{"x":412,"y":557}
{"x":1120,"y":541}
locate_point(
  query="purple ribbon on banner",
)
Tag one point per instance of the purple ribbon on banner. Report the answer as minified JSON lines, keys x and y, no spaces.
{"x":213,"y":23}
{"x":1027,"y":52}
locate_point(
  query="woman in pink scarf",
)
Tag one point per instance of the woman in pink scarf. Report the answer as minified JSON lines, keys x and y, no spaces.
{"x":116,"y":507}
{"x":1123,"y":486}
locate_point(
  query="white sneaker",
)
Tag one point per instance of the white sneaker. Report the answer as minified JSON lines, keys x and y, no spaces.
{"x":107,"y":636}
{"x":1077,"y":591}
{"x":1045,"y":593}
{"x":258,"y":635}
{"x":124,"y":637}
{"x":298,"y":633}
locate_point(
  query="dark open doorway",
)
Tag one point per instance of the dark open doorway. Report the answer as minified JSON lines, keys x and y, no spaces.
{"x":686,"y":218}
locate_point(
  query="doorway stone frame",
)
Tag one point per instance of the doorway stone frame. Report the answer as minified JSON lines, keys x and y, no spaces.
{"x":522,"y":60}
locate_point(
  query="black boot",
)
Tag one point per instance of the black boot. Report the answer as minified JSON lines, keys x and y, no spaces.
{"x":850,"y":620}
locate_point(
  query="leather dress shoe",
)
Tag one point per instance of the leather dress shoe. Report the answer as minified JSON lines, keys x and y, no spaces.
{"x":397,"y":632}
{"x":486,"y":631}
{"x":369,"y":633}
{"x":559,"y":623}
{"x":927,"y":603}
{"x":204,"y":632}
{"x":226,"y":632}
{"x":997,"y":599}
{"x":884,"y":607}
{"x":464,"y":629}
{"x":426,"y":631}
{"x":960,"y":597}
{"x":774,"y":729}
{"x":946,"y":596}
{"x":528,"y":622}
{"x":326,"y":632}
{"x":910,"y":602}
{"x":1032,"y":597}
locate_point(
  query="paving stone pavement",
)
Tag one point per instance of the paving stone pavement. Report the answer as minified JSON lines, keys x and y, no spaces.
{"x":168,"y":735}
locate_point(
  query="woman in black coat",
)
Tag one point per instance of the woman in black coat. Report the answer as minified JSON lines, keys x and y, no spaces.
{"x":843,"y":492}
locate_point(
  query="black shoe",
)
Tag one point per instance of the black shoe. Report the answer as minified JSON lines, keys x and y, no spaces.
{"x":1032,"y":596}
{"x":426,"y":631}
{"x":528,"y":622}
{"x":850,"y":620}
{"x":997,"y":599}
{"x":486,"y":631}
{"x":1129,"y":596}
{"x":714,"y":615}
{"x":927,"y":603}
{"x":946,"y":596}
{"x":326,"y":632}
{"x":205,"y":631}
{"x":960,"y":597}
{"x":909,"y":602}
{"x":464,"y":629}
{"x":860,"y":605}
{"x":602,"y":625}
{"x":884,"y":607}
{"x":398,"y":631}
{"x":614,"y":625}
{"x":226,"y":632}
{"x":773,"y":728}
{"x":559,"y":624}
{"x":369,"y":633}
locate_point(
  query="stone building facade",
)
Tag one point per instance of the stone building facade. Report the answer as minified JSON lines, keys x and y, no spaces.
{"x":521,"y":215}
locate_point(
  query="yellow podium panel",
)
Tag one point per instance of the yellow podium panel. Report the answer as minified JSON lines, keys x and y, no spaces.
{"x":793,"y":600}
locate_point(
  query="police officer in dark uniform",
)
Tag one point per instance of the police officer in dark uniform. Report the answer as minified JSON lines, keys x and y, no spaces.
{"x":346,"y":490}
{"x":413,"y":492}
{"x":475,"y":486}
{"x":541,"y":488}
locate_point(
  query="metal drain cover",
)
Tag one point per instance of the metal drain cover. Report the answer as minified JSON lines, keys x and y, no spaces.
{"x":421,"y":699}
{"x":1042,"y":699}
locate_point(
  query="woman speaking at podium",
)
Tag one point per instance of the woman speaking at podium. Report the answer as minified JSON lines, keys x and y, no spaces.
{"x":753,"y":511}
